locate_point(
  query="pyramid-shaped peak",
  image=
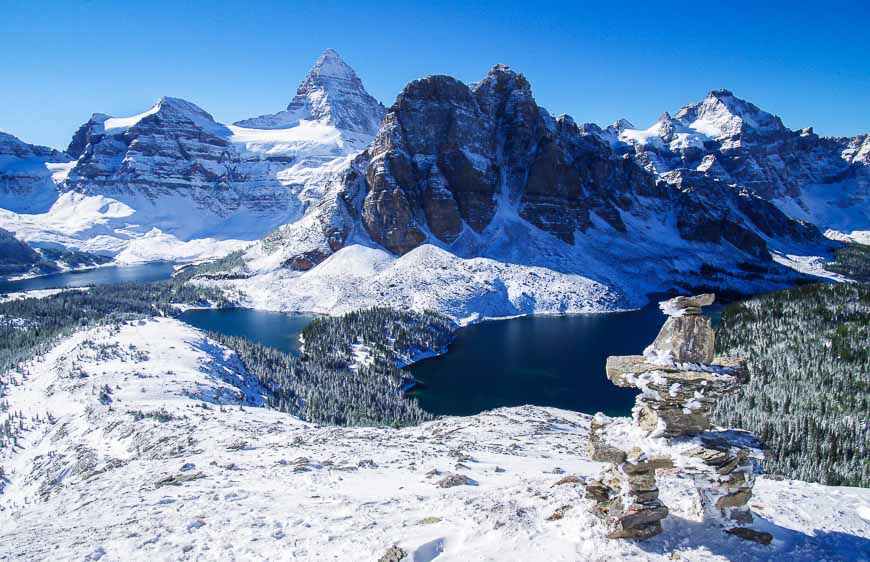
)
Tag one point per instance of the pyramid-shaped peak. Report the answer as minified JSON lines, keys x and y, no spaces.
{"x":331,"y":93}
{"x":330,"y":65}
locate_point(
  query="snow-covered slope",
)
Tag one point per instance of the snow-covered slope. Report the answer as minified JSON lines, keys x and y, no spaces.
{"x":29,"y":174}
{"x":150,"y":442}
{"x":172,"y":183}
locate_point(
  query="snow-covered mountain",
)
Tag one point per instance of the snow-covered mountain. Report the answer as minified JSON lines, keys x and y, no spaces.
{"x":331,"y":94}
{"x":475,"y":179}
{"x":476,"y":201}
{"x":29,"y":175}
{"x":172,"y":183}
{"x":151,"y":441}
{"x":825,"y":181}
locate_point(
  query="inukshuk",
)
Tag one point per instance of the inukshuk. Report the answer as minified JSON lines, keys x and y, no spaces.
{"x":680,"y":381}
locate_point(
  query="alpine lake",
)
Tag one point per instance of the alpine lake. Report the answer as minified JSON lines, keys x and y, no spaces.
{"x":545,"y":360}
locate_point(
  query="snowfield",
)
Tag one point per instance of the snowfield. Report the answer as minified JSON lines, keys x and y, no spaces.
{"x":150,"y":442}
{"x":426,"y":278}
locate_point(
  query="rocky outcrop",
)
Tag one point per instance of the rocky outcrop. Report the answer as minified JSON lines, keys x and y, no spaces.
{"x":679,"y":380}
{"x":450,"y":155}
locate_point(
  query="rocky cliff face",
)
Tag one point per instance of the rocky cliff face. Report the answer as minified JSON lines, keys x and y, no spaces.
{"x":451,"y":155}
{"x":454,"y":163}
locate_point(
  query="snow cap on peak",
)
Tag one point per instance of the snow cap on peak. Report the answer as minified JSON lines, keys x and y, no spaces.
{"x":621,"y":124}
{"x":330,"y":65}
{"x":332,"y":94}
{"x":725,"y":117}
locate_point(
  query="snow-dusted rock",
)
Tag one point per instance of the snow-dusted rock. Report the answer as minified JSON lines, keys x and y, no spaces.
{"x":172,"y":183}
{"x":823,"y":180}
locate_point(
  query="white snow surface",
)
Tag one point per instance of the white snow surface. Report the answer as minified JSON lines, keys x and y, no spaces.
{"x":426,"y":278}
{"x":91,"y":482}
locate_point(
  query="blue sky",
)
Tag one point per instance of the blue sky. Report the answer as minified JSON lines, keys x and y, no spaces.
{"x":61,"y":61}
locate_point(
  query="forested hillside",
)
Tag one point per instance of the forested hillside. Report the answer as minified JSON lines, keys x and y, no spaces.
{"x":380,"y":334}
{"x":853,"y":261}
{"x":809,"y":358}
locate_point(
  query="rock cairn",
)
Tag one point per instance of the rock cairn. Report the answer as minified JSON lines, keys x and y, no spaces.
{"x":680,"y":380}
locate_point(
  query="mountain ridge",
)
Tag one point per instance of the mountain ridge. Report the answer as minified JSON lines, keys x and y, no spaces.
{"x":477,"y":170}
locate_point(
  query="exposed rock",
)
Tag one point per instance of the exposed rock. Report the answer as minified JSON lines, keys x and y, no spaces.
{"x":178,"y":479}
{"x":682,"y":305}
{"x":452,"y":480}
{"x":686,"y":339}
{"x":447,"y":150}
{"x":559,"y":513}
{"x":393,"y":554}
{"x":751,"y":535}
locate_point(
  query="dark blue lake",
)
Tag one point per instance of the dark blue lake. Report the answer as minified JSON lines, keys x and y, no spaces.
{"x":543,"y":360}
{"x":273,"y":329}
{"x":97,"y":276}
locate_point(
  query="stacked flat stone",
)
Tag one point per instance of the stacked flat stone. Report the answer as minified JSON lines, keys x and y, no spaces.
{"x":626,"y":496}
{"x":680,"y":381}
{"x":725,"y":481}
{"x":678,"y":375}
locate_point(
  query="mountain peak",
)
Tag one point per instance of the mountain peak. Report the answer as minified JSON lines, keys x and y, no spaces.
{"x":725,"y":117}
{"x":330,"y":93}
{"x":621,"y":124}
{"x":330,"y":65}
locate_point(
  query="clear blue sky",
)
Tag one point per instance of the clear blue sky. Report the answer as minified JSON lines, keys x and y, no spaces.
{"x":61,"y":61}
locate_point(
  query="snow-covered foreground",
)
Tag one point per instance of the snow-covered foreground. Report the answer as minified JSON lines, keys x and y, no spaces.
{"x":158,"y":447}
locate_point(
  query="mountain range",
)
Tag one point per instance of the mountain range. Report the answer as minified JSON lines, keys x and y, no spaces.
{"x":467,"y":198}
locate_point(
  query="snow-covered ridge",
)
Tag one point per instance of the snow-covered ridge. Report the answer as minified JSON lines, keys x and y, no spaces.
{"x":173,"y":183}
{"x":151,"y":442}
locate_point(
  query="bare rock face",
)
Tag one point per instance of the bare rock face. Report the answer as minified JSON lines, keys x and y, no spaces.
{"x":687,"y":336}
{"x":449,"y":154}
{"x":686,"y":339}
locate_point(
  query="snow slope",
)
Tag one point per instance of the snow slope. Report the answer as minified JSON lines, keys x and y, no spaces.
{"x":180,"y":461}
